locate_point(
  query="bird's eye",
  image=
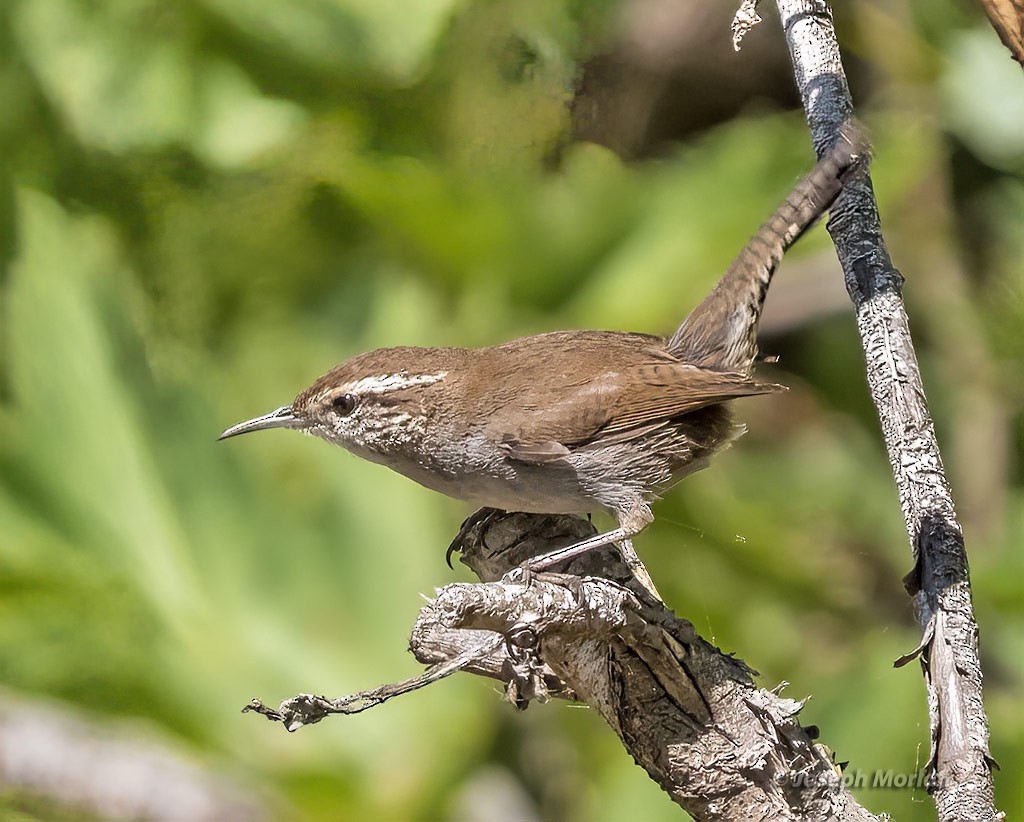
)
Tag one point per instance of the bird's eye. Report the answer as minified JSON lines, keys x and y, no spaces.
{"x":344,"y":404}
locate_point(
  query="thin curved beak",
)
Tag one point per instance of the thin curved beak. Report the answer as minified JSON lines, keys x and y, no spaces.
{"x":281,"y":418}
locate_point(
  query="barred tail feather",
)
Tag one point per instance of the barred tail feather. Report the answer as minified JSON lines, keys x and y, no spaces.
{"x":721,"y":332}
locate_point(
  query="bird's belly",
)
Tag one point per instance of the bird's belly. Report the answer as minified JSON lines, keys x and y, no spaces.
{"x":614,"y":477}
{"x":530,"y":497}
{"x":513,"y":490}
{"x":499,"y":484}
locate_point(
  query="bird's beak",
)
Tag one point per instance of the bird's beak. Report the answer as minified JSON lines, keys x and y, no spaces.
{"x":281,"y":418}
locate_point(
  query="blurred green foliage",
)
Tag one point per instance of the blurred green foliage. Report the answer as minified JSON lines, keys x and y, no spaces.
{"x":207,"y":204}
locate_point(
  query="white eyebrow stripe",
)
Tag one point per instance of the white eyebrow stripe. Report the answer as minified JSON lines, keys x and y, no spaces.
{"x":394,"y":382}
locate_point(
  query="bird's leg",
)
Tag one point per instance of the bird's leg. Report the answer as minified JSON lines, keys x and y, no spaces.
{"x":638,"y":569}
{"x":559,"y":555}
{"x":629,"y":524}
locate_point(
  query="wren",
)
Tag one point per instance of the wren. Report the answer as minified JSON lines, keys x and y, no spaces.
{"x":570,"y":421}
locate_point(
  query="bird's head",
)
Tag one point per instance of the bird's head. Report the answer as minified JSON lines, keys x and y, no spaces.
{"x":368,"y":404}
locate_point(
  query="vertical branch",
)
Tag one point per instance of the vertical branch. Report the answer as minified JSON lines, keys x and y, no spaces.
{"x":960,"y":764}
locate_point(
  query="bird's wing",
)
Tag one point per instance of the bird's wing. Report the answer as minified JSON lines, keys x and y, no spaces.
{"x":661,"y":391}
{"x":620,"y":404}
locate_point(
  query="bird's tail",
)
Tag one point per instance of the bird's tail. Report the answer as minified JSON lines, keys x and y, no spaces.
{"x":721,"y":332}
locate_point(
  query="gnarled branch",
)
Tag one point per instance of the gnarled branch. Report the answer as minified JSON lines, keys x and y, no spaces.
{"x":690,"y":715}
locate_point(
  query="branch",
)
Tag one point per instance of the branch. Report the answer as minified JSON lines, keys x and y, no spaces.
{"x":960,"y":763}
{"x":689,"y":714}
{"x":308,"y":709}
{"x":1007,"y":18}
{"x":74,"y":766}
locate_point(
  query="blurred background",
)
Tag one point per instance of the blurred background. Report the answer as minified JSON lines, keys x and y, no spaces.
{"x":204,"y":205}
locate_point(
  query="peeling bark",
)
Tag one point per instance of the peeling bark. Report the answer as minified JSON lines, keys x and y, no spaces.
{"x":959,"y":767}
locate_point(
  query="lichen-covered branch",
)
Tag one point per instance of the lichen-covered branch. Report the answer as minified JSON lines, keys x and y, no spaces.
{"x":689,"y":715}
{"x":960,"y":765}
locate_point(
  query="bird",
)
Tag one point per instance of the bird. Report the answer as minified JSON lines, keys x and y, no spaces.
{"x":570,"y":422}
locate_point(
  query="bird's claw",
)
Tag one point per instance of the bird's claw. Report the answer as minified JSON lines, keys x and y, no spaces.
{"x":520,"y":575}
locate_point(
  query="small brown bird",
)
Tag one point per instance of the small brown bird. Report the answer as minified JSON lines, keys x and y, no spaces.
{"x":571,"y":421}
